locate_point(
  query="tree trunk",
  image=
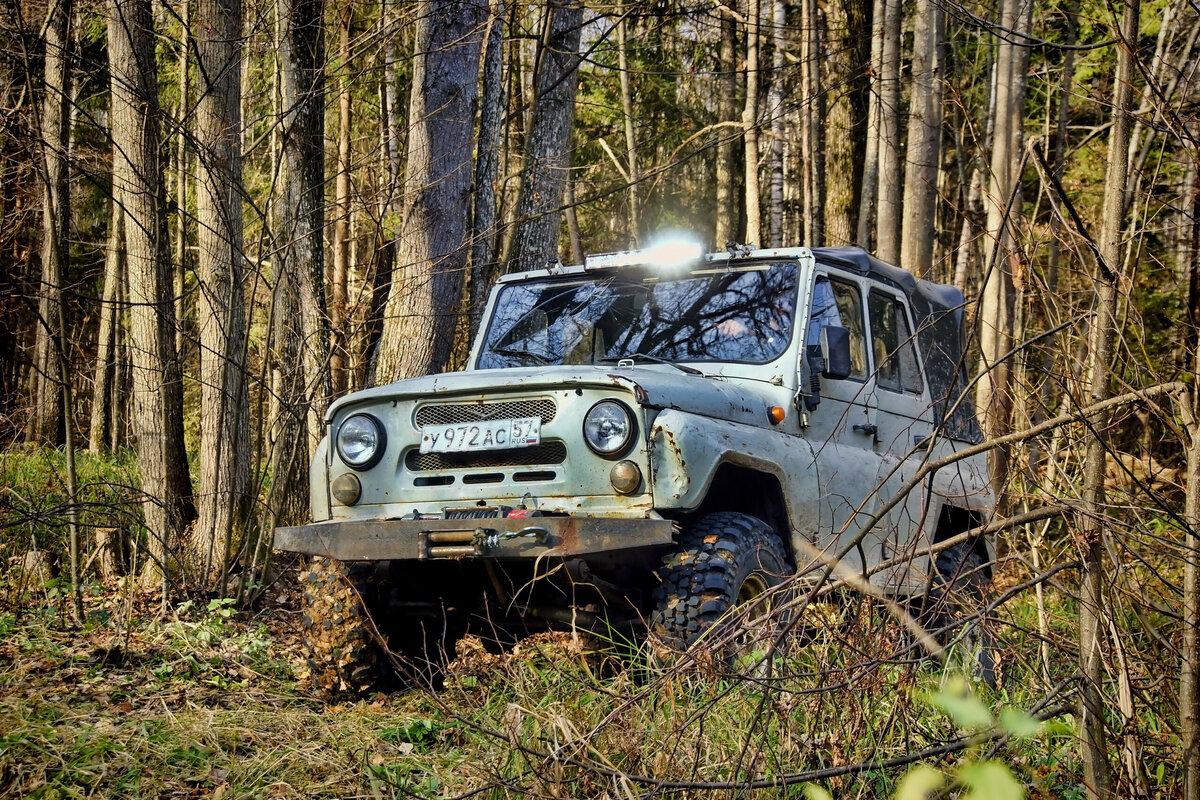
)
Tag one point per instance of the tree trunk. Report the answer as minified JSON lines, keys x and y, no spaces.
{"x":137,"y":185}
{"x":1092,"y":524}
{"x":491,"y":124}
{"x":776,"y":116}
{"x":750,"y":126}
{"x":547,"y":142}
{"x":1189,"y":678}
{"x":870,"y":179}
{"x":339,"y":276}
{"x":182,"y":171}
{"x":726,"y":213}
{"x":421,"y":318}
{"x":47,"y":418}
{"x":224,"y":426}
{"x":814,"y":130}
{"x":631,"y":159}
{"x":891,"y":168}
{"x":104,"y":399}
{"x":845,"y":125}
{"x":924,"y":140}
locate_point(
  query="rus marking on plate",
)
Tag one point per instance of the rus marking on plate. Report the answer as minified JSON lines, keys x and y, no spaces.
{"x":496,"y":434}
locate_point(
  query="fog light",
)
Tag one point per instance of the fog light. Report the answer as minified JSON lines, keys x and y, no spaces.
{"x":625,"y":477}
{"x":346,"y":489}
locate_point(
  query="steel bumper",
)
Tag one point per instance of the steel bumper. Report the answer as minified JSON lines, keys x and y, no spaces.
{"x":420,"y":539}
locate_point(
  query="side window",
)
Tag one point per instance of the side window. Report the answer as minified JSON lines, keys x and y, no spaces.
{"x":838,"y":303}
{"x":892,"y":345}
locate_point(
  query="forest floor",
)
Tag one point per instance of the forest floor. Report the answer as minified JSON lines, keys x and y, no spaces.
{"x":206,"y":701}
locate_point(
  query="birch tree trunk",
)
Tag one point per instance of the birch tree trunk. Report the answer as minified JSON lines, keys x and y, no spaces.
{"x":891,"y":168}
{"x":340,"y":272}
{"x":845,"y":125}
{"x":1092,"y":522}
{"x":776,"y":116}
{"x":548,"y":138}
{"x":47,"y":417}
{"x":870,"y":178}
{"x":631,"y":159}
{"x":224,"y":426}
{"x":726,"y":213}
{"x":138,"y":188}
{"x":924,"y":140}
{"x":1189,"y":678}
{"x":104,"y":399}
{"x":491,"y":125}
{"x":421,"y":318}
{"x":750,"y":126}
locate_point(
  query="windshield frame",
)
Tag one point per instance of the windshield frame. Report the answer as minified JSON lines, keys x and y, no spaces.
{"x":638,"y":276}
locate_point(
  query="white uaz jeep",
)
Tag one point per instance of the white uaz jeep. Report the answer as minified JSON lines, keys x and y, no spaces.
{"x":657,"y":435}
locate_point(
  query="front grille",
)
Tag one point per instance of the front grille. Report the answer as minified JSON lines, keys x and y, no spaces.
{"x":457,"y":413}
{"x":552,"y":452}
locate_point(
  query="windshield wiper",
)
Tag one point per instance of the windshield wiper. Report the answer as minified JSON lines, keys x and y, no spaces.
{"x":634,"y":357}
{"x":517,"y":352}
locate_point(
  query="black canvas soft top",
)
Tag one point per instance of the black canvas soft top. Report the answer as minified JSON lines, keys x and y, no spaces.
{"x":938,"y":313}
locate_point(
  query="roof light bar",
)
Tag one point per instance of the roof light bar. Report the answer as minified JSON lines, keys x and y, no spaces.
{"x":665,"y":254}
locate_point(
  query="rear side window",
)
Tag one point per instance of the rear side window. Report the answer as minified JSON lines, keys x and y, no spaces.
{"x":892,"y":345}
{"x":837,"y":303}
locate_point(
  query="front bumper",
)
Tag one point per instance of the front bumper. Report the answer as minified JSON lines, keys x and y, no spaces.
{"x":491,"y":538}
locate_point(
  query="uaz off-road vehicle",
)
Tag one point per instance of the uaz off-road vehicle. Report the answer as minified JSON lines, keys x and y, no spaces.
{"x":658,"y":436}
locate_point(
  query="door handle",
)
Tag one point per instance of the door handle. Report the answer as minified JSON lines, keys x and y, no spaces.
{"x":866,"y":430}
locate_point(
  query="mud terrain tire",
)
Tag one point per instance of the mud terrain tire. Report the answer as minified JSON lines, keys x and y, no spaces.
{"x":340,"y":645}
{"x":723,"y":560}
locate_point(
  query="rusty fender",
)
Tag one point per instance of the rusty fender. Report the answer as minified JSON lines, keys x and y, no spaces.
{"x":420,"y":539}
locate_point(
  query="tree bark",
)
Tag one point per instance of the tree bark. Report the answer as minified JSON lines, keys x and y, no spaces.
{"x":548,"y":138}
{"x":726,"y":213}
{"x":104,"y":399}
{"x":421,"y":318}
{"x":631,"y":158}
{"x":924,"y":141}
{"x":1093,"y":528}
{"x":1189,"y":678}
{"x":47,"y":417}
{"x":776,"y":116}
{"x":845,"y":125}
{"x":339,"y":275}
{"x":491,"y":125}
{"x":138,"y":188}
{"x":891,"y":167}
{"x":224,"y":425}
{"x":813,"y":130}
{"x":182,"y":172}
{"x":870,"y":177}
{"x":750,"y":126}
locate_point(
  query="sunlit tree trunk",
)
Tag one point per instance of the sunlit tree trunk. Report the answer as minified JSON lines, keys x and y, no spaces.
{"x":891,"y":167}
{"x":776,"y":117}
{"x":138,"y":188}
{"x":224,"y":425}
{"x":182,"y":173}
{"x":845,"y":126}
{"x":340,"y":271}
{"x":631,"y":157}
{"x":924,"y":139}
{"x":491,"y":123}
{"x":421,"y":317}
{"x":548,"y":138}
{"x":1189,"y":679}
{"x":1092,"y":521}
{"x":750,"y":126}
{"x":813,"y":124}
{"x":870,"y":177}
{"x":105,"y":401}
{"x":728,"y":204}
{"x":46,"y":420}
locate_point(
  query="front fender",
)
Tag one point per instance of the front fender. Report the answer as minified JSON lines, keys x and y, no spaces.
{"x":686,"y":450}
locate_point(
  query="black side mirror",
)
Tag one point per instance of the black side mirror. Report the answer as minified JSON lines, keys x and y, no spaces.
{"x":835,"y":349}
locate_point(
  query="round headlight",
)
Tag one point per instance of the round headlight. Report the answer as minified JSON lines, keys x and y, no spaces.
{"x":608,"y":428}
{"x":361,"y":441}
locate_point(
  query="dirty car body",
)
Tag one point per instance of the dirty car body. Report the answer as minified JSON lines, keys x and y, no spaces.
{"x":606,"y":407}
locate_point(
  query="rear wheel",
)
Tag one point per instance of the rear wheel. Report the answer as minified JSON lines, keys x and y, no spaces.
{"x":343,"y":657}
{"x":725,"y":560}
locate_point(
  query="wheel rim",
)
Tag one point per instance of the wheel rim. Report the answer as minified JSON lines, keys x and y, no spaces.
{"x":751,"y":593}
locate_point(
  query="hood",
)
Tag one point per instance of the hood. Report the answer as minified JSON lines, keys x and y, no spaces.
{"x":652,"y":386}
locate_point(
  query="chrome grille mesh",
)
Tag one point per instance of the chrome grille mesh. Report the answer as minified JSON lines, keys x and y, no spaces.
{"x":456,"y":413}
{"x":546,"y":453}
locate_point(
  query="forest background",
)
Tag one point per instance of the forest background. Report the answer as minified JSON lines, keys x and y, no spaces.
{"x":219,"y":215}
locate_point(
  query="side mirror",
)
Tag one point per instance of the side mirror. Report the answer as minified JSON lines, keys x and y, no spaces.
{"x":835,"y":349}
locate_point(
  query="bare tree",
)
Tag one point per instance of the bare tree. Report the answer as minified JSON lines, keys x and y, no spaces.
{"x":631,"y":156}
{"x":224,"y":425}
{"x":924,"y":140}
{"x":421,"y":317}
{"x":340,"y":245}
{"x":726,"y":212}
{"x":548,"y":137}
{"x":491,"y":123}
{"x":750,"y":124}
{"x":138,"y":188}
{"x":891,"y":172}
{"x":845,"y":125}
{"x":106,"y":401}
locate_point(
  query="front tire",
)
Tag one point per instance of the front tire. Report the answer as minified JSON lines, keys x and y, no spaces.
{"x":960,"y":581}
{"x":725,"y":560}
{"x":342,"y":655}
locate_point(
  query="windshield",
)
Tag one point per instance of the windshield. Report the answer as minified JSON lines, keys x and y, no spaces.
{"x":741,"y":314}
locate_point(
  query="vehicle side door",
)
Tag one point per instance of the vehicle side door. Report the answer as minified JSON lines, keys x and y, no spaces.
{"x":840,"y":428}
{"x":904,"y":420}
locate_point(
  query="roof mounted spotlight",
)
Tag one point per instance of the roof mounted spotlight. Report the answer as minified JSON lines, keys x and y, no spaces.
{"x":739,"y":250}
{"x":553,"y":264}
{"x":665,"y":254}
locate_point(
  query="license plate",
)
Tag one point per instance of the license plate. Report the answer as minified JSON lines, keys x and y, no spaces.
{"x":495,"y":434}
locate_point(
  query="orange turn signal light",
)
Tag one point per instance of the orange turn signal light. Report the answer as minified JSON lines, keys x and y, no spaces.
{"x":776,"y":414}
